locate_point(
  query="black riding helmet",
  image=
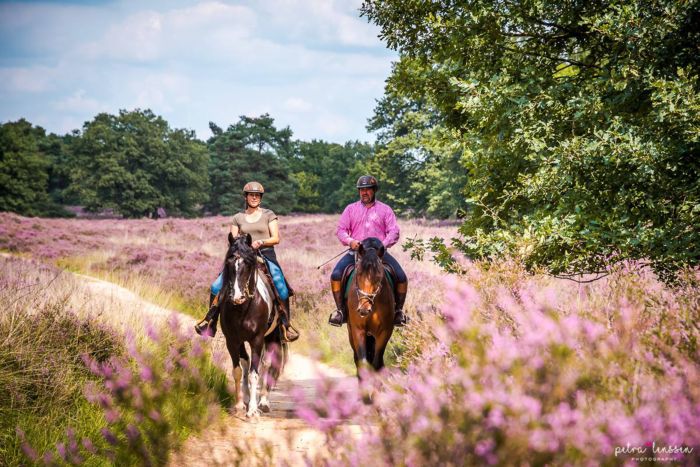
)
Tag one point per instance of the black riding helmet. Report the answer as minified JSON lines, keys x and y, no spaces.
{"x":367,"y":181}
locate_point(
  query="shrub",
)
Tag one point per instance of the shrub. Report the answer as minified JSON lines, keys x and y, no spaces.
{"x":534,"y":374}
{"x":41,"y":374}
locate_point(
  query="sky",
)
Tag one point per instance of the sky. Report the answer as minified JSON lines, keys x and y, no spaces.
{"x":313,"y":65}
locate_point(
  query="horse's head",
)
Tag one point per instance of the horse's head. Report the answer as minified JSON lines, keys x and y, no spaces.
{"x":239,"y":269}
{"x":369,"y":273}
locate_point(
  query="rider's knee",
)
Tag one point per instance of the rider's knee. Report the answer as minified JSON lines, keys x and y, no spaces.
{"x":337,"y":275}
{"x":217,"y":285}
{"x":401,"y":277}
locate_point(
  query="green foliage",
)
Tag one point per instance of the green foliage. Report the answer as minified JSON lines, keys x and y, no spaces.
{"x":41,"y":374}
{"x":418,"y":159}
{"x":26,"y":169}
{"x":251,"y":149}
{"x":325,"y":174}
{"x":135,"y":163}
{"x":578,"y":123}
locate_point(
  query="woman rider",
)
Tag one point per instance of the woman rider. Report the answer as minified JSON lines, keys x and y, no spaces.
{"x":262,"y":226}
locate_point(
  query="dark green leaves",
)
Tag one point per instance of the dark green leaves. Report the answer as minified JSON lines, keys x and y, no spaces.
{"x":577,"y":123}
{"x":135,"y":163}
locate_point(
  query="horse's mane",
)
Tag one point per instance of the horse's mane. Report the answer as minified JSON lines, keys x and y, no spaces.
{"x":370,"y":261}
{"x":241,"y":246}
{"x":246,"y":252}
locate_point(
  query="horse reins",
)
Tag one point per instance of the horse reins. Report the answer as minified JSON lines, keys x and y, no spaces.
{"x":247,"y":293}
{"x":361,"y":293}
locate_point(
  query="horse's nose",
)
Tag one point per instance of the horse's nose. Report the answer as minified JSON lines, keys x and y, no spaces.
{"x":363,"y":311}
{"x":238,"y":301}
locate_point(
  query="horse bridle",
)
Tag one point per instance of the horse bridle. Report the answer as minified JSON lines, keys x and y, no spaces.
{"x":361,"y":293}
{"x":248,"y":294}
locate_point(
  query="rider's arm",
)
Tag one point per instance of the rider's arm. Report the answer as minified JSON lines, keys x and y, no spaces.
{"x":343,"y":232}
{"x":234,"y":230}
{"x":391,"y":228}
{"x":274,"y":234}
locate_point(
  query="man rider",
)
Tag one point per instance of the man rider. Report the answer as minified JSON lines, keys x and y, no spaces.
{"x":365,"y":218}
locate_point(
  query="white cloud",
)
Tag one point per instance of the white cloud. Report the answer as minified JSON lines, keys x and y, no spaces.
{"x":26,"y":79}
{"x":324,"y":21}
{"x":80,"y":103}
{"x":333,"y":124}
{"x":313,"y":65}
{"x":205,"y":29}
{"x":159,"y":91}
{"x":297,"y":104}
{"x":137,"y":38}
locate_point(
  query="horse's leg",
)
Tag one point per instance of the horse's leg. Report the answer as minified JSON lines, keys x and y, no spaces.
{"x":273,"y":361}
{"x":233,"y":350}
{"x":245,"y":360}
{"x":380,"y":344}
{"x":256,"y":349}
{"x":360,"y":346}
{"x":265,"y":375}
{"x":370,"y":345}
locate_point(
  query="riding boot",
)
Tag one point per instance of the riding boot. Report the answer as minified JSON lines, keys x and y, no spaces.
{"x":289,"y":332}
{"x":337,"y":317}
{"x":208,"y":324}
{"x":400,"y":318}
{"x":290,"y":290}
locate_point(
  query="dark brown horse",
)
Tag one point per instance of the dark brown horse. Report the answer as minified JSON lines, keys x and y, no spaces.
{"x":370,"y":305}
{"x":246,"y":309}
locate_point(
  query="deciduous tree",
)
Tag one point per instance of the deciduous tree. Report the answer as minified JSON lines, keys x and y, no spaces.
{"x":135,"y":163}
{"x":579,"y":122}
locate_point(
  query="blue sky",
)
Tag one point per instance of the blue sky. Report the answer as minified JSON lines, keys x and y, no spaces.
{"x":314,"y":65}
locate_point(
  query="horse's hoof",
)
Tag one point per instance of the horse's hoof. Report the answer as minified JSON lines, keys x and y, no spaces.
{"x":253,"y":415}
{"x":240,"y":407}
{"x":264,"y":406}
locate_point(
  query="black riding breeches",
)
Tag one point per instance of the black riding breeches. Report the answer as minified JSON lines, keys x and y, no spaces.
{"x":349,"y":258}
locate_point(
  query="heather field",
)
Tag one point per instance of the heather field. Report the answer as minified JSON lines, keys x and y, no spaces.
{"x":84,"y":380}
{"x":173,"y":262}
{"x":499,"y":367}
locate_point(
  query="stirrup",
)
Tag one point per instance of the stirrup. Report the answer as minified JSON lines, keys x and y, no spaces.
{"x":289,"y":335}
{"x":336,"y":323}
{"x":202,"y":327}
{"x":400,"y":318}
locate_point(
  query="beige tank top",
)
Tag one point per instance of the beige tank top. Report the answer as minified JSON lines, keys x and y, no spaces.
{"x":258,"y":230}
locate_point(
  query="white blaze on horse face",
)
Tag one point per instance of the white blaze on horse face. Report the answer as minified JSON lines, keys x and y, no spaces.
{"x":237,"y":293}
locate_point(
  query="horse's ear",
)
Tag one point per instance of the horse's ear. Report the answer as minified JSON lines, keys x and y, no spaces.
{"x":382,"y":249}
{"x":361,"y":248}
{"x":230,"y":239}
{"x":248,"y":239}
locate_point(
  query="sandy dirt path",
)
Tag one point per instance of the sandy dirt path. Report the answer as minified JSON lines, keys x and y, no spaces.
{"x":287,"y":438}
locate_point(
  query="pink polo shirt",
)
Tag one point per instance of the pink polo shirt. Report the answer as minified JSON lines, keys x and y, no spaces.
{"x":359,"y":222}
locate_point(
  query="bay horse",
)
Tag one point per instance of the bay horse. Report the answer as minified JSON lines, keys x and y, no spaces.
{"x":246,"y":308}
{"x":370,"y":305}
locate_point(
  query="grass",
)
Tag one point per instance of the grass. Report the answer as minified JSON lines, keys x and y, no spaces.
{"x":41,"y":375}
{"x":144,"y":287}
{"x":49,"y":326}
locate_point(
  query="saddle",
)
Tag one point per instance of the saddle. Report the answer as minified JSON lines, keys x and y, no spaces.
{"x":277,"y":301}
{"x":350,"y":270}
